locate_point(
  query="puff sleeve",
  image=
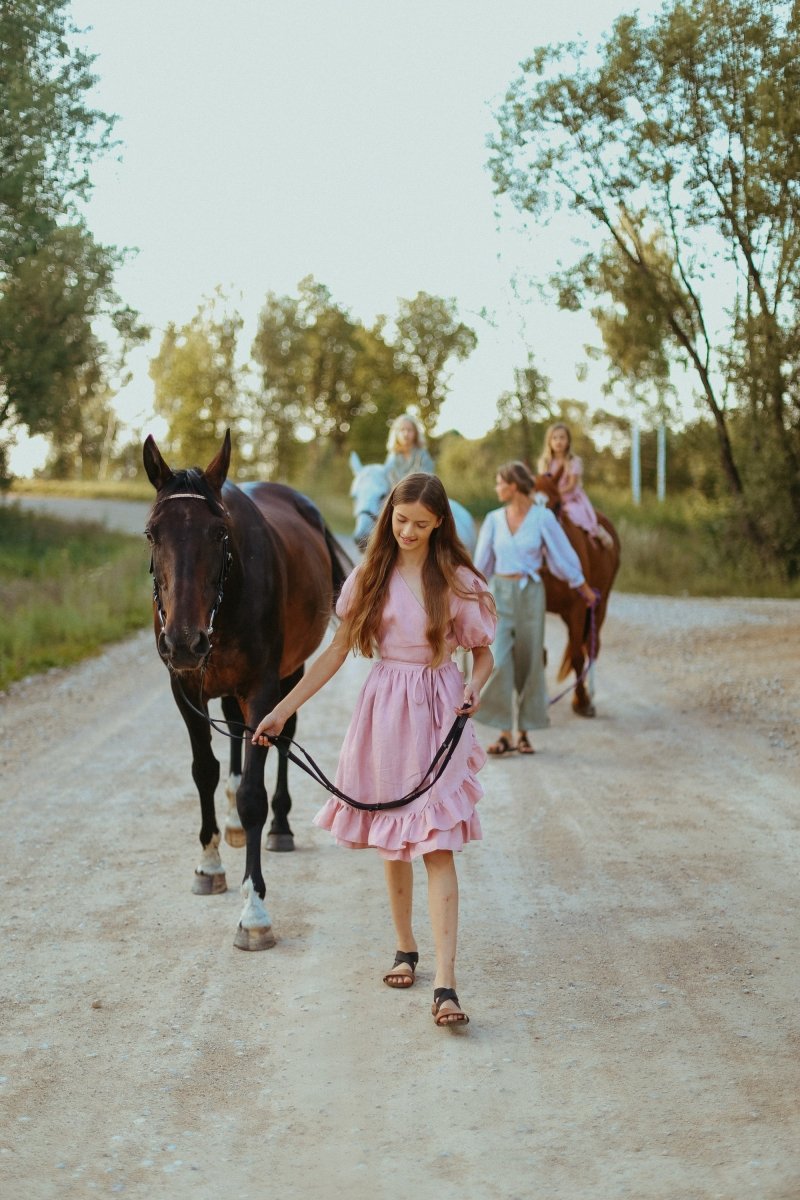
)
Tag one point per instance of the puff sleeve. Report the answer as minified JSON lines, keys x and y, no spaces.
{"x":346,"y":594}
{"x":474,"y":620}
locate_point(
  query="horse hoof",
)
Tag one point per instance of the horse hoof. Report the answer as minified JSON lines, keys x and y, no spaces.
{"x":280,"y":841}
{"x":235,"y":835}
{"x":261,"y":938}
{"x":587,"y":710}
{"x":209,"y":885}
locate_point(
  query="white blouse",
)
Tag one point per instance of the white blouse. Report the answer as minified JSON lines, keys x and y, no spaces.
{"x":539,"y":537}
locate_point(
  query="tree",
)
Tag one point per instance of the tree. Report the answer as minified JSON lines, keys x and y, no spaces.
{"x":681,"y":143}
{"x":197,"y":382}
{"x":526,"y":409}
{"x":429,"y":336}
{"x":56,"y":281}
{"x":324,"y":377}
{"x":386,"y":389}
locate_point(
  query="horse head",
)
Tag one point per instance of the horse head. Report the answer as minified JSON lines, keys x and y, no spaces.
{"x":547,"y":485}
{"x":369,"y":490}
{"x":189,"y":538}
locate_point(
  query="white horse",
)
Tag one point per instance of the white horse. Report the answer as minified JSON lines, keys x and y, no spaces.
{"x":369,"y":489}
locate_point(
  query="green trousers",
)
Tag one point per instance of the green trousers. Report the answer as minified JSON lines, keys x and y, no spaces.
{"x":515,"y":696}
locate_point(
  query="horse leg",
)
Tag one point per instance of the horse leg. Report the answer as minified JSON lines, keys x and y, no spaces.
{"x":209,"y":875}
{"x":280,"y":836}
{"x":582,"y":704}
{"x":234,"y":834}
{"x":255,"y":927}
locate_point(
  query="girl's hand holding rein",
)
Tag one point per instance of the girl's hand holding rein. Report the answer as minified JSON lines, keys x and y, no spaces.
{"x":269,"y":726}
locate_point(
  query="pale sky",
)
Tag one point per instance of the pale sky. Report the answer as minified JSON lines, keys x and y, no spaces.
{"x":264,"y":141}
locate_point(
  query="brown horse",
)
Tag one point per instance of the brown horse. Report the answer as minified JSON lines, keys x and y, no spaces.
{"x":600,"y":565}
{"x":244,"y":580}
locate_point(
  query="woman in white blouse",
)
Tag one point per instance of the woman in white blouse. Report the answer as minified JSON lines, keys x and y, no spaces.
{"x":512,"y":543}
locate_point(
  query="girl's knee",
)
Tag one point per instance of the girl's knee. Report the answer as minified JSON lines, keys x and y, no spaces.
{"x":438,"y":860}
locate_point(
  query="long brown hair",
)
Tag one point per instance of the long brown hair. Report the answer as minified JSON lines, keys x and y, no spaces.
{"x":546,"y":457}
{"x":445,"y":554}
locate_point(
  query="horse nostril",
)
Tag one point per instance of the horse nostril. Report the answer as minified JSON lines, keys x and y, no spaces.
{"x":200,"y":644}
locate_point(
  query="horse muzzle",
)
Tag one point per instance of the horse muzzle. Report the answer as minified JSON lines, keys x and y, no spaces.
{"x":186,"y":651}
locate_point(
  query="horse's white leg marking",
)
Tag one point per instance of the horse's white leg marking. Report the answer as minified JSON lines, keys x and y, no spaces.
{"x":209,"y":874}
{"x":254,"y":914}
{"x":234,"y":833}
{"x":210,"y":861}
{"x":231,"y":788}
{"x":255,"y":927}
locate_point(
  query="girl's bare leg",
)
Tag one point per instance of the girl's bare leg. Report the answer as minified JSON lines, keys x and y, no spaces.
{"x":443,"y":906}
{"x":399,"y":884}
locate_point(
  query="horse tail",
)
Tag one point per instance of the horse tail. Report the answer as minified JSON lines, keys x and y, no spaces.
{"x":566,"y":661}
{"x":341,"y":563}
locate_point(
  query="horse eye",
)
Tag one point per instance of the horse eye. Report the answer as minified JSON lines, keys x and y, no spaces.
{"x":148,"y":533}
{"x":220,"y":533}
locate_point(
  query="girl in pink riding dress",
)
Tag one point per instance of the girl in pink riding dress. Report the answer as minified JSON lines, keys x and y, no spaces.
{"x":557,"y":454}
{"x":414,"y":599}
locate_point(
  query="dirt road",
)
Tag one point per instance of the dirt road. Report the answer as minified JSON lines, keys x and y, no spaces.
{"x":629,"y":950}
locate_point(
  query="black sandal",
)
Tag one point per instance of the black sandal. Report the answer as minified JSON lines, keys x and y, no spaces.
{"x":523,"y":745}
{"x":448,"y":1017}
{"x":501,"y":746}
{"x":410,"y":958}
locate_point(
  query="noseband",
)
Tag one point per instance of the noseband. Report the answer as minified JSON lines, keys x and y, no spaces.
{"x":224,"y":569}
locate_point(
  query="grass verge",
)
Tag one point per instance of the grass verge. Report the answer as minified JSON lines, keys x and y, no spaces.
{"x":66,"y":590}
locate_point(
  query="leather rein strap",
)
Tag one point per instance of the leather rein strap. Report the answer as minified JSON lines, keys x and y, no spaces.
{"x":283,"y":743}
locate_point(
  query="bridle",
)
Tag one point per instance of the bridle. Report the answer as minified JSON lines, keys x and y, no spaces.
{"x":224,"y":569}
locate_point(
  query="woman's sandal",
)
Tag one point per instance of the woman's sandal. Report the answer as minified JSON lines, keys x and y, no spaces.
{"x":401,"y":979}
{"x":448,"y":1017}
{"x":523,"y":745}
{"x":501,"y":746}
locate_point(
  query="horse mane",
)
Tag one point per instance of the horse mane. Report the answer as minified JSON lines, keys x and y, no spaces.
{"x":194,"y":481}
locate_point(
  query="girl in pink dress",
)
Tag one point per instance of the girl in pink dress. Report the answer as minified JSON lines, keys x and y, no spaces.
{"x":557,"y":455}
{"x":414,"y":599}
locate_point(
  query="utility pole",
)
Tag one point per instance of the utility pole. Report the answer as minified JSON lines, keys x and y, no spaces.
{"x":661,"y":462}
{"x":636,"y":464}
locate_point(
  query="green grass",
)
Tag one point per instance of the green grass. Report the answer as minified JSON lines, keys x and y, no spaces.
{"x":686,"y":546}
{"x":134,"y":489}
{"x":66,"y":590}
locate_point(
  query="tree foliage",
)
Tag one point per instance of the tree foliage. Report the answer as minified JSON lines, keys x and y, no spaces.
{"x":527,"y":409}
{"x":56,"y":281}
{"x":680,"y":141}
{"x":429,"y":337}
{"x":325,"y":379}
{"x":198,"y":382}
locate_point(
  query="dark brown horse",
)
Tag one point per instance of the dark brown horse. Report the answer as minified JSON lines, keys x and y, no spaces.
{"x":600,"y":565}
{"x":244,"y":580}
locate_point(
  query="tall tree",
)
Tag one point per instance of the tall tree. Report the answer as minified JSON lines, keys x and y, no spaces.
{"x":279,"y":402}
{"x":526,"y":409}
{"x":197,"y":382}
{"x":680,"y":140}
{"x":55,"y":279}
{"x":429,"y":337}
{"x":324,"y":376}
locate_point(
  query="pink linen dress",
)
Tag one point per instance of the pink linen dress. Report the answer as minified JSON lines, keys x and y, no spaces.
{"x":576,"y":503}
{"x":401,"y":717}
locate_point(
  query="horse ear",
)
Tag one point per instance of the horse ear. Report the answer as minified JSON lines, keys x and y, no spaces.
{"x":217,"y":470}
{"x":157,"y":470}
{"x":556,"y":475}
{"x":355,"y":462}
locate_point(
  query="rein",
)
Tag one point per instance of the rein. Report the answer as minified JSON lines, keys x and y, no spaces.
{"x":283,"y":742}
